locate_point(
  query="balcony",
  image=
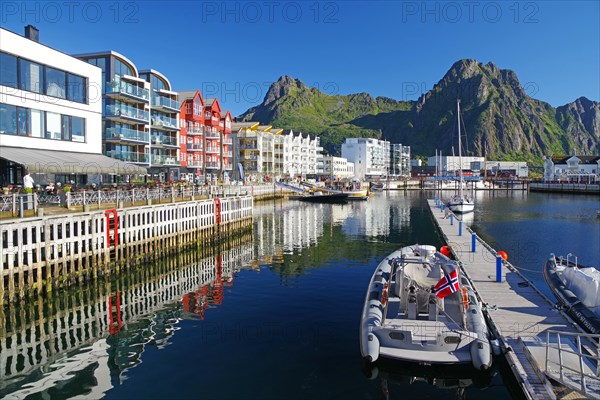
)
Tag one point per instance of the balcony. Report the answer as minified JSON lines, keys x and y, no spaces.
{"x":161,"y":159}
{"x":227,"y":154}
{"x":213,"y":165}
{"x":213,"y":150}
{"x":164,"y":140}
{"x":163,"y":122}
{"x":194,"y":147}
{"x":228,"y":167}
{"x":128,"y":156}
{"x":120,"y":134}
{"x":195,"y":163}
{"x":165,"y":104}
{"x":126,"y":92}
{"x":212,"y":135}
{"x":124,"y":113}
{"x":228,"y":141}
{"x":195,"y":131}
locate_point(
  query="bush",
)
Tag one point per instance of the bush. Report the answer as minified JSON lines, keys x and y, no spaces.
{"x":28,"y":190}
{"x":67,"y":188}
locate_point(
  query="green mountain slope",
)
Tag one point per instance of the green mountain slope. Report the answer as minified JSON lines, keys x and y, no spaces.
{"x":500,"y":120}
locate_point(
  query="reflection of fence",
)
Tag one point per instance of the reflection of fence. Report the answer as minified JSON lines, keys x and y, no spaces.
{"x":82,"y":317}
{"x":52,"y":251}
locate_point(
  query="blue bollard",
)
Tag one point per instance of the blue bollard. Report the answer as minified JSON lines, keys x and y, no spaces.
{"x":498,"y":269}
{"x":459,"y":228}
{"x":473,"y":243}
{"x":451,"y":219}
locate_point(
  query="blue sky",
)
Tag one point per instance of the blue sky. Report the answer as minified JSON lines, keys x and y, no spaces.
{"x":234,"y":50}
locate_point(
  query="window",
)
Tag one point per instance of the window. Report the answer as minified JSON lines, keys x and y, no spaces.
{"x":66,"y":127}
{"x":197,"y":108}
{"x":157,"y":84}
{"x":31,"y":76}
{"x":53,"y":126}
{"x":23,"y":121}
{"x":76,"y":88}
{"x":8,"y":122}
{"x":56,"y":82}
{"x":122,"y":69}
{"x":36,"y":123}
{"x":8,"y":70}
{"x":77,"y":129}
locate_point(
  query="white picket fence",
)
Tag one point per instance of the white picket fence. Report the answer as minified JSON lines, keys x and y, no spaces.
{"x":56,"y":250}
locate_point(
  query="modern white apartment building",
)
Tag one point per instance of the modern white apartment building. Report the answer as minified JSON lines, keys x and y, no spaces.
{"x":399,"y":161}
{"x":266,"y":151}
{"x":337,"y":168}
{"x":140,"y":115}
{"x":50,"y":114}
{"x":371,"y":157}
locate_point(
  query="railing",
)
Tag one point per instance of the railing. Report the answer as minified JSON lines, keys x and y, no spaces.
{"x":195,"y":131}
{"x":212,"y":165}
{"x":164,"y":139}
{"x":566,"y":349}
{"x":160,"y":120}
{"x":194,"y":147}
{"x":160,"y":159}
{"x":128,"y":89}
{"x":120,"y":110}
{"x":195,"y":163}
{"x":166,"y":102}
{"x":212,"y":135}
{"x":126,"y":133}
{"x":213,"y":149}
{"x":129,"y":156}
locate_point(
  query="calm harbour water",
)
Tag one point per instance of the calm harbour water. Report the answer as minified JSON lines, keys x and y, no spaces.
{"x":276,"y":317}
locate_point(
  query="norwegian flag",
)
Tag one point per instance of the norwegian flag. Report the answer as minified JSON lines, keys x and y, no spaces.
{"x":447,"y":285}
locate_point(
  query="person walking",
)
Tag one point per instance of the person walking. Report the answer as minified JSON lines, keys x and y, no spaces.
{"x":28,"y":181}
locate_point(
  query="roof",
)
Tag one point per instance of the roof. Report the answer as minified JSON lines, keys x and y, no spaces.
{"x":584,"y":159}
{"x":187,"y":94}
{"x":68,"y":162}
{"x":209,"y":102}
{"x":236,"y":126}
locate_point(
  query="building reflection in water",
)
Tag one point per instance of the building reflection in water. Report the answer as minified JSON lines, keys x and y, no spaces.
{"x":101,"y":330}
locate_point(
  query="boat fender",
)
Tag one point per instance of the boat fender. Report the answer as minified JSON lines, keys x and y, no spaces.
{"x":465,"y":297}
{"x":384,"y":297}
{"x":481,"y":353}
{"x":372,"y":353}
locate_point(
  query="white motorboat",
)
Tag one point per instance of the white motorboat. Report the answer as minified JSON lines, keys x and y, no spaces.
{"x":577,"y":289}
{"x":419,"y":308}
{"x":461,"y":203}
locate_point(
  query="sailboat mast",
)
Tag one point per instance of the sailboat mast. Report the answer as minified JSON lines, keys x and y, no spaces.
{"x":459,"y":150}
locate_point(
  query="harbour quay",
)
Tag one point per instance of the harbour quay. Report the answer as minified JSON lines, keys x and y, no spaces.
{"x":544,"y":348}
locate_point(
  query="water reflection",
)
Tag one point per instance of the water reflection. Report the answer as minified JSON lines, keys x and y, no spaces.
{"x":83,"y":340}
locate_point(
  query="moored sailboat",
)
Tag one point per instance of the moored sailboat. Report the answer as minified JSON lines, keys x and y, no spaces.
{"x":460,"y":203}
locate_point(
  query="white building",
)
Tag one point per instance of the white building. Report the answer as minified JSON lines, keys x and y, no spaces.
{"x":266,"y":151}
{"x":399,"y":161}
{"x":450,"y":165}
{"x":51,"y":114}
{"x":337,"y":168}
{"x":572,"y":169}
{"x":371,"y":157}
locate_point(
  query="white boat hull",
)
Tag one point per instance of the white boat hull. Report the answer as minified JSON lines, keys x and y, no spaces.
{"x":461,"y":207}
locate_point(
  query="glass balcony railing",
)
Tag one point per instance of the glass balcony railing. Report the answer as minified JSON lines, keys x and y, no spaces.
{"x":118,"y":133}
{"x":164,"y":139}
{"x":162,"y":159}
{"x":122,"y":110}
{"x":128,"y":156}
{"x":161,"y":120}
{"x":166,"y":102}
{"x":122,"y":87}
{"x":194,"y":147}
{"x":212,"y":135}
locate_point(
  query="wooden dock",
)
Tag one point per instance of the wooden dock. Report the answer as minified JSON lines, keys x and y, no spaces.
{"x":517,"y":312}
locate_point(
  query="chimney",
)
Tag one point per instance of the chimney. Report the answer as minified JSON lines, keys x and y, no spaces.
{"x":32,"y":33}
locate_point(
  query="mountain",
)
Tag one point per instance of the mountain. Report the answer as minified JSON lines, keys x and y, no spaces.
{"x":500,"y":119}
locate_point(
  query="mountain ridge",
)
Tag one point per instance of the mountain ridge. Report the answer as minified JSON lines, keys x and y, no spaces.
{"x":500,"y":119}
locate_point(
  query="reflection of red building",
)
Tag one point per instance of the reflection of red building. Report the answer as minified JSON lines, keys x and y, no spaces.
{"x":210,"y":294}
{"x":212,"y":138}
{"x":191,"y":143}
